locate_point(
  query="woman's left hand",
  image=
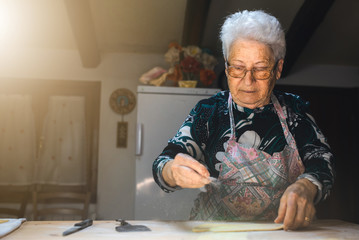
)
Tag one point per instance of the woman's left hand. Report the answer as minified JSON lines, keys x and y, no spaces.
{"x":296,"y":209}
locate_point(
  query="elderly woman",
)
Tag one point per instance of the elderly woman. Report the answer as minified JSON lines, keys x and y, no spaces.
{"x":258,"y":152}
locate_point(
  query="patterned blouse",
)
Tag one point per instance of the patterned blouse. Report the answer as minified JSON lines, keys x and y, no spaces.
{"x":206,"y":130}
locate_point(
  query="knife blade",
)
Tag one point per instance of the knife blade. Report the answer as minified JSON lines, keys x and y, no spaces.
{"x":78,"y":226}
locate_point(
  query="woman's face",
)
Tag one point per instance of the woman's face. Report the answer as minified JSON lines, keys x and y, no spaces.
{"x":249,"y":92}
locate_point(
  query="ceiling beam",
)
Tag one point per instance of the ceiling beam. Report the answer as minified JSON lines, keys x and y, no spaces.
{"x":195,"y":20}
{"x":304,"y":24}
{"x":81,"y":21}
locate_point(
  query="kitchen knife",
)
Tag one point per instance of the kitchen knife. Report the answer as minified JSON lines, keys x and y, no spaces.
{"x":78,"y":226}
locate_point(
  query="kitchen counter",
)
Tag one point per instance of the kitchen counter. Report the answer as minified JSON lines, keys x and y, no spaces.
{"x":173,"y":230}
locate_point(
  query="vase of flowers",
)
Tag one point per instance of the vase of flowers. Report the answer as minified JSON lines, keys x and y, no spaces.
{"x":190,"y":66}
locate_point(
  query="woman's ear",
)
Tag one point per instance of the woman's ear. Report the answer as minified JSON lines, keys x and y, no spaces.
{"x":279,"y":69}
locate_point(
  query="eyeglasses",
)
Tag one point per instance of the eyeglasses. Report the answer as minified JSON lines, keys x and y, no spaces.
{"x":257,"y":73}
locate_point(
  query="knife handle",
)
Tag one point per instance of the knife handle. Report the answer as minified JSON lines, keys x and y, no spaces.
{"x":122,"y":221}
{"x":84,"y":223}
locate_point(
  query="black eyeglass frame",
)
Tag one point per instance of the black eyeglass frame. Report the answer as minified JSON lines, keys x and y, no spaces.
{"x":251,"y":70}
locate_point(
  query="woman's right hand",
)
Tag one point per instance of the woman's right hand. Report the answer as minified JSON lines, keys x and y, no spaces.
{"x":186,"y":172}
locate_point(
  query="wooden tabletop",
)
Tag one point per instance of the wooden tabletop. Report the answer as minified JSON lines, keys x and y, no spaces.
{"x":173,"y":230}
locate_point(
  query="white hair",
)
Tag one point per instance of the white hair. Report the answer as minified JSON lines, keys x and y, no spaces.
{"x":253,"y":25}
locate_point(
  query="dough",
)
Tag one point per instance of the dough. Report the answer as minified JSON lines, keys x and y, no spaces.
{"x":237,"y":227}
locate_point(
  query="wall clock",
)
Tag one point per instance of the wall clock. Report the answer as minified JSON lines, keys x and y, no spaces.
{"x":122,"y":101}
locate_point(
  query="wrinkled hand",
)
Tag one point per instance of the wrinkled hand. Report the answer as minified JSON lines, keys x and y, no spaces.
{"x":186,"y":172}
{"x":296,"y":209}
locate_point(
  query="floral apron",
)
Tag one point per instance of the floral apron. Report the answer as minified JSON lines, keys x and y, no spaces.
{"x":250,"y":182}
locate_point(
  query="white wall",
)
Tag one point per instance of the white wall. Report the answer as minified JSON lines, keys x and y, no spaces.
{"x":323,"y":75}
{"x":116,"y":179}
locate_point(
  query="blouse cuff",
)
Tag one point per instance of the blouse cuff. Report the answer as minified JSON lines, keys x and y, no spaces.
{"x":316,"y":182}
{"x":165,"y":187}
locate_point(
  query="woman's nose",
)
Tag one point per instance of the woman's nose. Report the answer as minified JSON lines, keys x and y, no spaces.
{"x":248,"y":78}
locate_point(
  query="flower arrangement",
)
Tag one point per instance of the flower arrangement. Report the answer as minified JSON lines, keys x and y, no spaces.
{"x":186,"y":63}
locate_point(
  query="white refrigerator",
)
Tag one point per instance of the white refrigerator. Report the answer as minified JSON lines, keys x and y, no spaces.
{"x":160,"y":113}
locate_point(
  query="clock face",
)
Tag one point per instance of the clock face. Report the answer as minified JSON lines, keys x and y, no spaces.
{"x":122,"y":101}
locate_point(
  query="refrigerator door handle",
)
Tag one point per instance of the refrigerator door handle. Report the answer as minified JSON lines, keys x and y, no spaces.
{"x":139,"y":139}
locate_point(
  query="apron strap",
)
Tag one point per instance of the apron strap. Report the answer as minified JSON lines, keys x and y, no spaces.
{"x":231,"y":118}
{"x":282,"y":118}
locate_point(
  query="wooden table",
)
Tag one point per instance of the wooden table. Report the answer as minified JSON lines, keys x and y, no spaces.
{"x":173,"y":230}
